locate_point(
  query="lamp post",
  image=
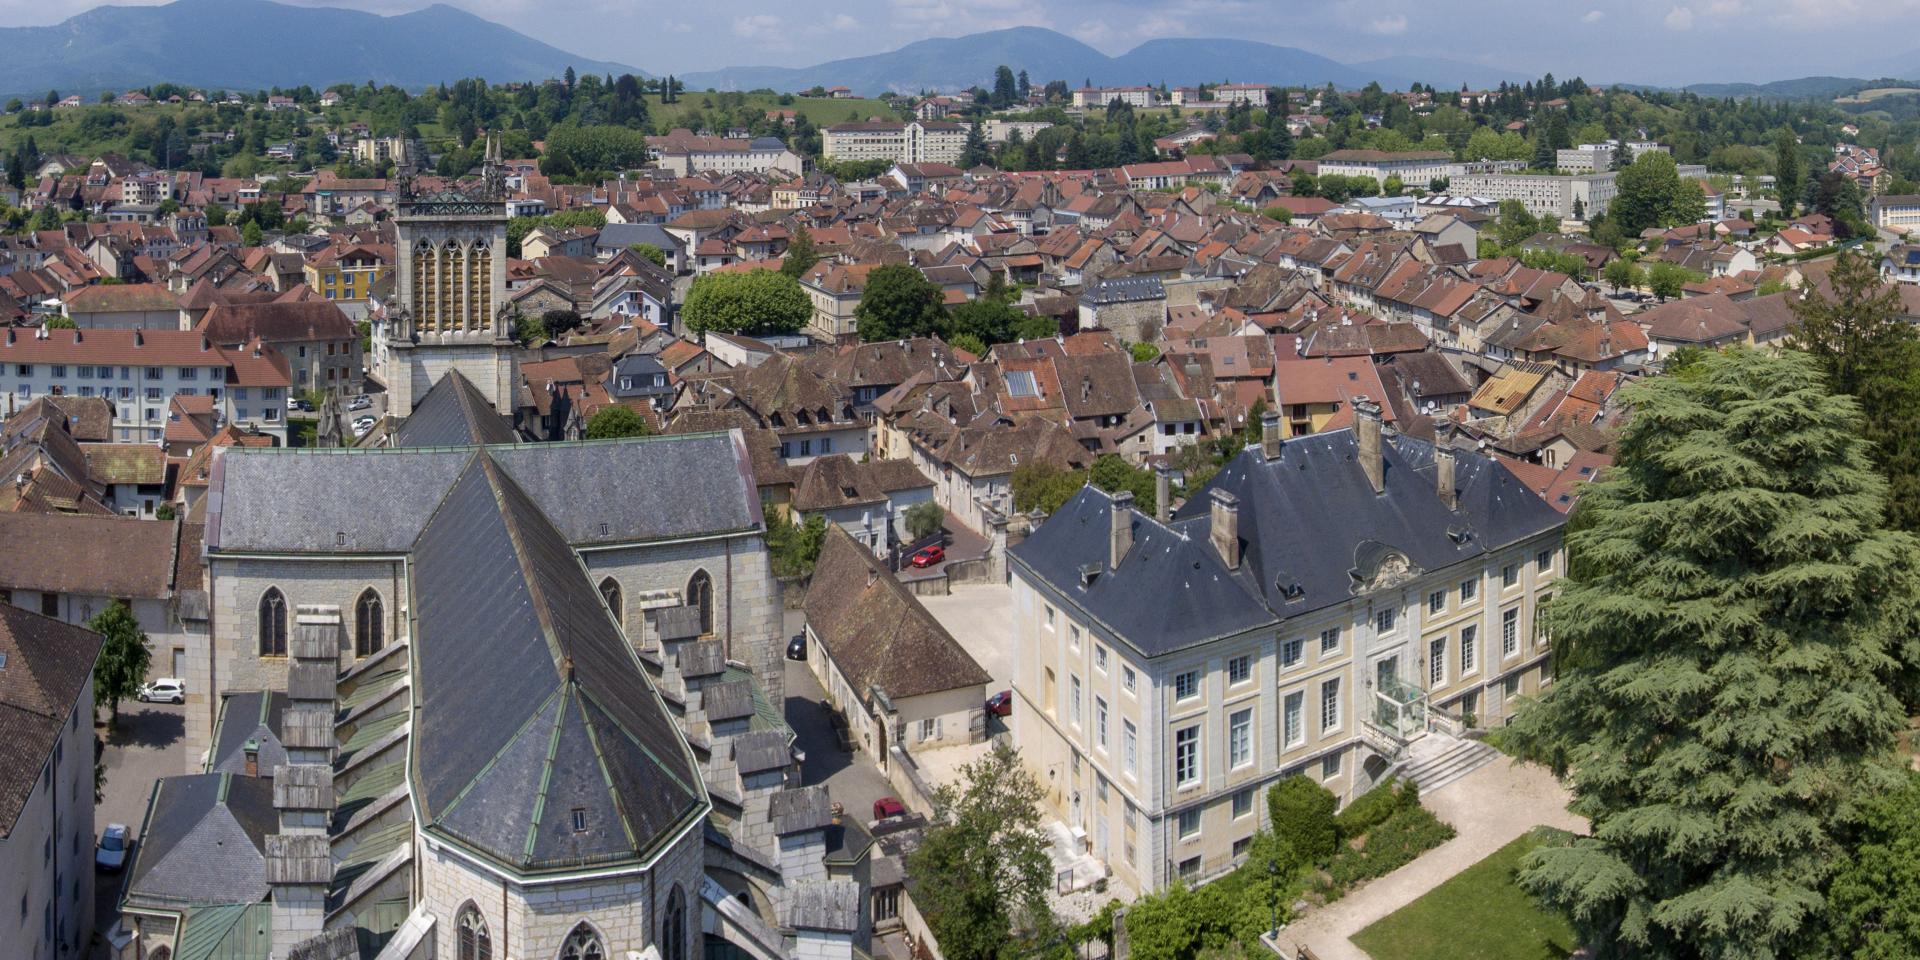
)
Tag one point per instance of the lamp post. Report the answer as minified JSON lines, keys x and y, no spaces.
{"x":1273,"y":875}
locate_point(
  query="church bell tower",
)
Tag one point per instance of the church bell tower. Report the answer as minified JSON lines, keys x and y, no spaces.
{"x":451,"y":313}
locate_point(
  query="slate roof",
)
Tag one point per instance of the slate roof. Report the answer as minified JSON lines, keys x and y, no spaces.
{"x":453,"y":414}
{"x":205,"y":841}
{"x":877,"y":632}
{"x":532,"y":710}
{"x":44,"y":666}
{"x":1309,"y":523}
{"x":253,"y":715}
{"x":574,"y":483}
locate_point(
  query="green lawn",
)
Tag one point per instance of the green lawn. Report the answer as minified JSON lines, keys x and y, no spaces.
{"x":1480,"y":914}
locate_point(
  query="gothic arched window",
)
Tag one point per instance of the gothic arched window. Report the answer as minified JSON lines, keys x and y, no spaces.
{"x":673,"y":927}
{"x":273,"y":623}
{"x":610,"y":592}
{"x":700,"y":597}
{"x":474,"y":942}
{"x":369,"y":624}
{"x":583,"y":944}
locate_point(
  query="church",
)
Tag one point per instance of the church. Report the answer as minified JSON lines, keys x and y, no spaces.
{"x":471,"y":698}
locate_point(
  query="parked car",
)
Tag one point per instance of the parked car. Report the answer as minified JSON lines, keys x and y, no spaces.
{"x":111,"y":854}
{"x":361,"y":402}
{"x":297,"y":403}
{"x":362,"y":425}
{"x":928,"y":556}
{"x":887,"y":807}
{"x":163,"y":690}
{"x":797,"y":647}
{"x":1001,"y":704}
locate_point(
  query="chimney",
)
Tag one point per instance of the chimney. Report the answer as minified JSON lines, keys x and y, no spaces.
{"x":1366,"y":429}
{"x":1443,"y":463}
{"x":1162,"y":493}
{"x":252,"y":752}
{"x":1270,"y":435}
{"x":1120,"y":539}
{"x":1226,"y":527}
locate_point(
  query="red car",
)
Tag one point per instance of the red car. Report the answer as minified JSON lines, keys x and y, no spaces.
{"x":928,"y":556}
{"x":1001,"y":704}
{"x":888,"y":807}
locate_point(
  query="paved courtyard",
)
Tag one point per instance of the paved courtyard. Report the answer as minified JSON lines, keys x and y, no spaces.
{"x":980,"y":615}
{"x":851,"y":778}
{"x":1488,"y":808}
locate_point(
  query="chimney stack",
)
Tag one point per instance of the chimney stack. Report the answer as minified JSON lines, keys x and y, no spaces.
{"x":1162,"y":493}
{"x":1226,"y":527}
{"x":1270,"y":435}
{"x":1366,"y":429}
{"x":1121,"y":537}
{"x":252,"y":753}
{"x":1443,"y":463}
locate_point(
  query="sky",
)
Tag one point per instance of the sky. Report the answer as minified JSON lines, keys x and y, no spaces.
{"x":1604,"y":41}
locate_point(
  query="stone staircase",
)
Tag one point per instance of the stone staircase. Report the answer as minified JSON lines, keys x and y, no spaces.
{"x":1436,"y":760}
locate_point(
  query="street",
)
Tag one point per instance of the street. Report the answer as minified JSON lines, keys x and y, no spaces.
{"x":146,"y":746}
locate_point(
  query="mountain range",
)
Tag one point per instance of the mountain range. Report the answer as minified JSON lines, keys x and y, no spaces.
{"x":955,"y":63}
{"x":257,"y":44}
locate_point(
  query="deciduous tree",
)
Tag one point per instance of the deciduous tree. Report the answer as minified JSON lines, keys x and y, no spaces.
{"x":981,"y":873}
{"x":124,"y":657}
{"x":756,"y":303}
{"x":899,"y":302}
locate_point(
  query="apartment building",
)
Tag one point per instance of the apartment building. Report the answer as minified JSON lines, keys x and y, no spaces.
{"x":917,"y":141}
{"x":1897,"y":212}
{"x":1254,"y":94}
{"x":686,"y":153}
{"x":1140,"y":98}
{"x":1573,"y":196}
{"x":1320,"y":604}
{"x":1598,"y":157}
{"x":141,"y":371}
{"x":1413,"y":167}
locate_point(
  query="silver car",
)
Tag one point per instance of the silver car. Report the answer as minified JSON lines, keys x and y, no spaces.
{"x":163,"y":690}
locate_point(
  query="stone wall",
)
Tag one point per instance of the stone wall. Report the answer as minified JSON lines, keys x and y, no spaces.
{"x":236,"y":663}
{"x":534,"y":921}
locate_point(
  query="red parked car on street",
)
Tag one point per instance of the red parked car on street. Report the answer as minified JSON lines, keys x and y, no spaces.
{"x":1001,"y":704}
{"x":928,"y":556}
{"x":888,"y":807}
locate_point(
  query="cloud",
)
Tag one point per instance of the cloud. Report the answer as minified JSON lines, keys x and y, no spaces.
{"x":1680,"y":18}
{"x":757,"y":26}
{"x":843,"y":21}
{"x":1391,"y":25}
{"x":1594,"y":16}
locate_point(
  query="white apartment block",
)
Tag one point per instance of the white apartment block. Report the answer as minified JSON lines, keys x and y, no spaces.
{"x":1546,"y":194}
{"x":1139,"y":98}
{"x":1897,"y":212}
{"x":141,"y":371}
{"x":1415,"y":168}
{"x":1254,"y":94}
{"x":1160,"y":693}
{"x":917,"y":141}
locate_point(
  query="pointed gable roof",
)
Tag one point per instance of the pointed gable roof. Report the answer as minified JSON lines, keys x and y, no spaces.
{"x":453,"y":414}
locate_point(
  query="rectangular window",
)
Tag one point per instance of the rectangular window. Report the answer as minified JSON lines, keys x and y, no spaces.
{"x":1329,"y":766}
{"x":1189,"y":823}
{"x":1073,"y":698}
{"x":826,"y":445}
{"x":1467,"y":652}
{"x":1240,"y":669}
{"x":929,"y":729}
{"x":1049,"y":618}
{"x":189,"y":373}
{"x":1100,"y":723}
{"x":1186,"y":685}
{"x":1127,"y":680}
{"x":1329,"y":641}
{"x":1543,"y":561}
{"x":1437,"y":601}
{"x":59,"y":371}
{"x":1243,"y":803}
{"x":1510,"y":687}
{"x":1436,"y":663}
{"x":1129,"y":746}
{"x":1510,"y":632}
{"x":1291,"y":653}
{"x":154,"y":373}
{"x":1186,"y":756}
{"x":1294,"y":718}
{"x":1190,"y":868}
{"x":1509,"y":575}
{"x":25,"y":369}
{"x":1239,"y":739}
{"x":1100,"y":658}
{"x":1383,"y":621}
{"x":1330,"y":705}
{"x":1467,"y":590}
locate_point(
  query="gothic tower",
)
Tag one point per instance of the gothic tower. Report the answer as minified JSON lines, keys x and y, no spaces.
{"x":451,"y":291}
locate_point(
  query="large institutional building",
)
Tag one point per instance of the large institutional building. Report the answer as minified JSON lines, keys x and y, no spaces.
{"x":1308,"y":612}
{"x":916,"y":141}
{"x":476,"y":699}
